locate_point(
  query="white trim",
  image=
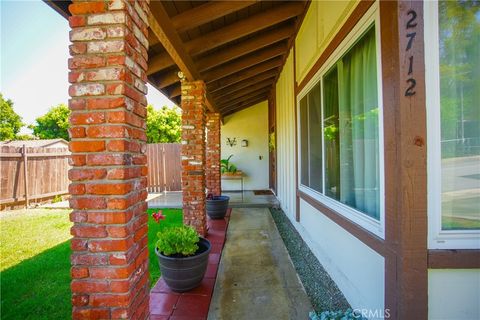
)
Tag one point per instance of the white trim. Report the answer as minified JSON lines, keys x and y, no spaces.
{"x":438,"y":238}
{"x":377,"y":227}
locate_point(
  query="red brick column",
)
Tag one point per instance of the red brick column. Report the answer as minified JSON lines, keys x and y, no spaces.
{"x":213,"y":154}
{"x":193,"y":155}
{"x":109,"y":272}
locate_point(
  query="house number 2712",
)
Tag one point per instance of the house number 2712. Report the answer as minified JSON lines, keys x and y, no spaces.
{"x":411,"y":34}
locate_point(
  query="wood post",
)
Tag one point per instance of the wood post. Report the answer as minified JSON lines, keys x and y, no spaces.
{"x":25,"y":173}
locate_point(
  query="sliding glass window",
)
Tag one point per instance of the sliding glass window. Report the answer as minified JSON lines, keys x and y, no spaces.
{"x":347,"y":122}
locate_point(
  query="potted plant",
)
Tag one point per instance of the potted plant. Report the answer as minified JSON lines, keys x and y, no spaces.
{"x":217,"y":206}
{"x":227,"y":168}
{"x":182,"y":255}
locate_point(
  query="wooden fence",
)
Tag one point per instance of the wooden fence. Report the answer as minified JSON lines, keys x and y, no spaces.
{"x":164,"y":167}
{"x":32,"y":174}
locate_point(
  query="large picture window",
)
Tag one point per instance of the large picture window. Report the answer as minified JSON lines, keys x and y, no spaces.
{"x":453,"y":105}
{"x":339,"y":136}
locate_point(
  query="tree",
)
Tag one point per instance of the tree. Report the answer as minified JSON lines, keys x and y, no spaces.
{"x":52,"y":125}
{"x":459,"y":31}
{"x":10,"y":122}
{"x":163,"y":125}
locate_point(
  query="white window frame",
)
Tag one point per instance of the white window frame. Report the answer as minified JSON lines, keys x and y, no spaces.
{"x":438,"y":238}
{"x":377,"y":227}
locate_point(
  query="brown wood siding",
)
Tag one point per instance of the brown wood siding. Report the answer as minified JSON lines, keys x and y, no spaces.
{"x":454,"y":259}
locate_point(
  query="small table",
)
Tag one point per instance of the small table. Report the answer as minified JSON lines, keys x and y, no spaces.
{"x":234,"y":177}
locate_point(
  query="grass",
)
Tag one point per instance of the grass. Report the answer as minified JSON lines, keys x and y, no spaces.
{"x":35,"y":261}
{"x":455,"y":223}
{"x":173,"y":217}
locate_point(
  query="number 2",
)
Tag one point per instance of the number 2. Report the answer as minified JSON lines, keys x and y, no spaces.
{"x":411,"y":23}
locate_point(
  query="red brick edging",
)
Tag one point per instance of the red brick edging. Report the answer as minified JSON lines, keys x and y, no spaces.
{"x":194,"y":304}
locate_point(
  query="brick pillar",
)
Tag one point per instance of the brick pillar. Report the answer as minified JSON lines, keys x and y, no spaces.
{"x":213,"y":154}
{"x":193,"y":155}
{"x":109,"y":258}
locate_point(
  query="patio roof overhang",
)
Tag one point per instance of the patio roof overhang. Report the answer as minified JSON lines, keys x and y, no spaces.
{"x":237,"y":47}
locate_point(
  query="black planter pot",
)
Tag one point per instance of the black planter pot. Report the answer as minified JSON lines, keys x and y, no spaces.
{"x":217,"y":207}
{"x":185,"y":273}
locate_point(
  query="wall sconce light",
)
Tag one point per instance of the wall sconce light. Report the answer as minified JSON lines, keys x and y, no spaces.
{"x":245,"y":143}
{"x":231,"y":141}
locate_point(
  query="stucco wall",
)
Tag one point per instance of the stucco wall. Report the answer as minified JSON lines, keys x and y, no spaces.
{"x":250,"y":124}
{"x":453,"y":294}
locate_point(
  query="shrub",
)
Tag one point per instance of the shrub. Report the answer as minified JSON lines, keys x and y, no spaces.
{"x":178,"y":241}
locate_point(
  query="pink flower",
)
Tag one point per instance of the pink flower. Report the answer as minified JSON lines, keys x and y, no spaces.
{"x":158,"y":216}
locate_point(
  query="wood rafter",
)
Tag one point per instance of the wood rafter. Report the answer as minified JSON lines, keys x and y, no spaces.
{"x":176,"y":91}
{"x":230,"y":32}
{"x":245,"y":62}
{"x":244,"y":27}
{"x":168,"y":78}
{"x":206,"y":12}
{"x":229,"y":102}
{"x":159,"y":62}
{"x":245,"y":74}
{"x":245,"y":47}
{"x":245,"y":83}
{"x":162,"y":61}
{"x":161,"y":25}
{"x":247,"y":90}
{"x":243,"y":105}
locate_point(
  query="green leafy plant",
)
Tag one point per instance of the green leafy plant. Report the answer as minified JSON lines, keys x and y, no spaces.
{"x":226,"y":166}
{"x":178,"y":241}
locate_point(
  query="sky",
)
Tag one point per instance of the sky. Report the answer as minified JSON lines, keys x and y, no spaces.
{"x":33,"y":59}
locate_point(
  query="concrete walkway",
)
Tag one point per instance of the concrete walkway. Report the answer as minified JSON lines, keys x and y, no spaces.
{"x":173,"y":199}
{"x":256,"y":278}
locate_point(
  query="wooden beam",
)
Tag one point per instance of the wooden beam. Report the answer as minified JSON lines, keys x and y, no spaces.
{"x":206,"y":12}
{"x":159,"y":62}
{"x":163,"y":60}
{"x":245,"y":74}
{"x":247,"y":90}
{"x":244,"y":97}
{"x":244,"y":47}
{"x":161,"y":25}
{"x":246,"y":104}
{"x":245,"y":83}
{"x":168,"y":78}
{"x":243,"y":27}
{"x":176,"y":91}
{"x":252,"y":59}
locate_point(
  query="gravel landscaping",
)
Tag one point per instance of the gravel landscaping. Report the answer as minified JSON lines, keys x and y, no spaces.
{"x":322,"y":291}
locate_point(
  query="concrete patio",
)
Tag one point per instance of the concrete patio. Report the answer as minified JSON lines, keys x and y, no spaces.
{"x":173,"y":199}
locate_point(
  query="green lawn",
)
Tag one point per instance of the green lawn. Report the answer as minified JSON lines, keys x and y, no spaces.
{"x":35,"y":264}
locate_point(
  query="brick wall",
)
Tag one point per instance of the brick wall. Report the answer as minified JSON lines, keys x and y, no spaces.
{"x":108,"y":179}
{"x":193,"y":155}
{"x":213,"y":154}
